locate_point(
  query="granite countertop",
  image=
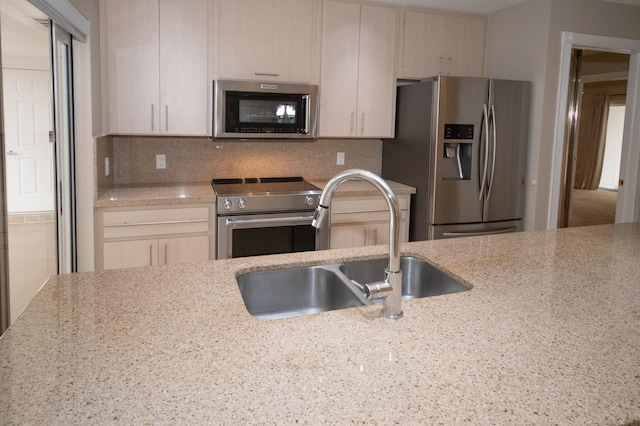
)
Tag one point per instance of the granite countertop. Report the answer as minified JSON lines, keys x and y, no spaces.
{"x":156,"y":194}
{"x":201,"y":192}
{"x":547,"y":335}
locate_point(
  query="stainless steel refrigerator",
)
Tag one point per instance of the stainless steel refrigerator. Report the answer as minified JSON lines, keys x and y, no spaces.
{"x":461,"y":142}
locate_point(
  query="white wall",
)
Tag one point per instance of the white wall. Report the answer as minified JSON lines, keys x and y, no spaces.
{"x":524,"y":42}
{"x":613,"y":148}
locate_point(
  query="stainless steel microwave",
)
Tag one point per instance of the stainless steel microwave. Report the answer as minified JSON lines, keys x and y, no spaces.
{"x":262,"y":110}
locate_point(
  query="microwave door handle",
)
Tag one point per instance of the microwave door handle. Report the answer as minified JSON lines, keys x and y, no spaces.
{"x":307,"y":120}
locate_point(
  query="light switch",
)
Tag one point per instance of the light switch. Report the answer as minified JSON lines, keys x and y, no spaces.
{"x":340,"y":159}
{"x":107,"y":166}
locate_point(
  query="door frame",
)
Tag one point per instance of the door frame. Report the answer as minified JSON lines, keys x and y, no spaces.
{"x":64,"y":130}
{"x":628,"y":206}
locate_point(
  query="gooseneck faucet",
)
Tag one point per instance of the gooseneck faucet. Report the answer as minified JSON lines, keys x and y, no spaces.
{"x":391,"y":288}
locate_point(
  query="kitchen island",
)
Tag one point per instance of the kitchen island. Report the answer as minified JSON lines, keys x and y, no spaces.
{"x":548,"y":334}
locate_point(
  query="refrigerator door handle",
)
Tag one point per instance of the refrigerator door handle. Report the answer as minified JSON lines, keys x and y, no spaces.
{"x":477,"y":233}
{"x":493,"y":154}
{"x":485,"y":114}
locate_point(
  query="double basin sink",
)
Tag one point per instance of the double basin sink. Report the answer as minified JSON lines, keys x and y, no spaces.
{"x":299,"y":291}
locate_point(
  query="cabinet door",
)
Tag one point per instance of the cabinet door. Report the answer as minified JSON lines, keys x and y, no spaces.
{"x":349,"y":235}
{"x":423,"y":44}
{"x":183,"y":67}
{"x":132,"y":66}
{"x":266,"y":40}
{"x":339,"y":69}
{"x":376,"y":76}
{"x":128,"y":254}
{"x":378,"y":234}
{"x":183,"y":250}
{"x":465,"y":46}
{"x":435,"y":44}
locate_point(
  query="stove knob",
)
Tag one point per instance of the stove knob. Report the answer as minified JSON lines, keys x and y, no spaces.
{"x":242,"y":203}
{"x":310,"y":201}
{"x":226,"y":204}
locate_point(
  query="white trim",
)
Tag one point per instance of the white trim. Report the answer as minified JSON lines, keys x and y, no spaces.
{"x":63,"y":13}
{"x":628,"y":195}
{"x":628,"y":208}
{"x":612,"y":76}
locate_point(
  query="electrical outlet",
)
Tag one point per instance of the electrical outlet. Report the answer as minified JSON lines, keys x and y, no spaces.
{"x":107,"y":166}
{"x":161,"y":161}
{"x":340,"y":159}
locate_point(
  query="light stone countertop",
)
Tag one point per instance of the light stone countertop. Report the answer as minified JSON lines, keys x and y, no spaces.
{"x":156,"y":194}
{"x":549,"y":334}
{"x":191,"y":193}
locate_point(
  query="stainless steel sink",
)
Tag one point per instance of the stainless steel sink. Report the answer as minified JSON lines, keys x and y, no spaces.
{"x":299,"y":291}
{"x":419,"y":278}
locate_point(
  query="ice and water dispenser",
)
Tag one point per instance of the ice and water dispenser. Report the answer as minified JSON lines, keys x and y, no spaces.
{"x":457,"y":152}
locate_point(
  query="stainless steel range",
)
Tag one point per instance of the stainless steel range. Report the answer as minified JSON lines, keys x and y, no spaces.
{"x":259,"y":216}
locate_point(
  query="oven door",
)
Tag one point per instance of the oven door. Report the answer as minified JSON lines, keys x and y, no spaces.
{"x":270,"y":233}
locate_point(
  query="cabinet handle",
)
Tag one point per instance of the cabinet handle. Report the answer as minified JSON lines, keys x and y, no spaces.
{"x":362,"y":124}
{"x":166,"y":249}
{"x":150,"y":255}
{"x":166,"y":118}
{"x":364,"y":234}
{"x":266,"y":74}
{"x":164,"y":222}
{"x":353,"y":119}
{"x":375,"y":236}
{"x":152,"y":118}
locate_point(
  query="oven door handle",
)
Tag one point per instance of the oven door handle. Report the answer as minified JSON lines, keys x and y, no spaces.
{"x":240,"y":223}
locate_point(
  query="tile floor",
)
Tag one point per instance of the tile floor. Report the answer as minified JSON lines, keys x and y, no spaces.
{"x":32,"y":256}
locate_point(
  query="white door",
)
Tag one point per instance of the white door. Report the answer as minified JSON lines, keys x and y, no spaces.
{"x":29,"y":154}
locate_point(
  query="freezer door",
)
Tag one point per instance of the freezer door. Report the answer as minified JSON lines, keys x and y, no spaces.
{"x":458,"y":162}
{"x":509,"y":118}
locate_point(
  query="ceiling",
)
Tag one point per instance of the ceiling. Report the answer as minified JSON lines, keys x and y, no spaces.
{"x":483,"y":7}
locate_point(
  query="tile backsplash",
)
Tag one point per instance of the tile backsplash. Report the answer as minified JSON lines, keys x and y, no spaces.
{"x":133,"y":159}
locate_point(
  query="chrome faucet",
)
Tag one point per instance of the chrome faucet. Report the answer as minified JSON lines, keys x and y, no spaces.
{"x":391,"y":288}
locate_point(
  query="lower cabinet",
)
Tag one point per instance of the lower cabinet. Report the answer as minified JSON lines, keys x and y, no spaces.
{"x":364,"y":221}
{"x":165,"y":251}
{"x":153,"y":236}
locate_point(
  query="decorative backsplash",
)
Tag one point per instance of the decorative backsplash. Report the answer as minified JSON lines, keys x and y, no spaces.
{"x":201,"y":159}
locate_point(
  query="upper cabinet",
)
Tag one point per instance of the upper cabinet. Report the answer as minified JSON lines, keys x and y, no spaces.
{"x":357,"y":76}
{"x":434,"y":43}
{"x":267,"y":40}
{"x":155,"y":64}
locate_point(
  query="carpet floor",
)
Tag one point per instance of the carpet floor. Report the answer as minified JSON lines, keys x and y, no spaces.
{"x":592,"y":207}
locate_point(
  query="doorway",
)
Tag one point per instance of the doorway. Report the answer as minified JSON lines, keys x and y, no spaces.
{"x":593,"y":144}
{"x":37,"y":150}
{"x":628,"y":194}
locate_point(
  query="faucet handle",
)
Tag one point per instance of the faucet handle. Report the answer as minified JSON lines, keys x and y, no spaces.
{"x":378,"y":290}
{"x":319,"y":216}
